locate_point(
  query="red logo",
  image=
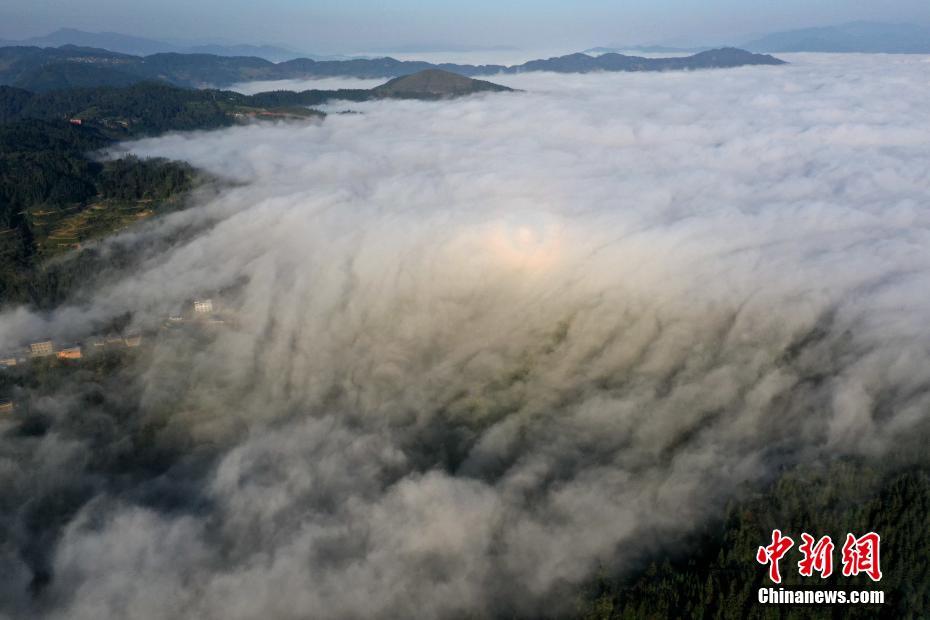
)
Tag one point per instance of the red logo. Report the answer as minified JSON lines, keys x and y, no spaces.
{"x":773,"y":553}
{"x":860,"y":555}
{"x":817,"y":557}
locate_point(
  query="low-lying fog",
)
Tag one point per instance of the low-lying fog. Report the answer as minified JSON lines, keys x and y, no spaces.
{"x":484,"y":346}
{"x":501,"y":55}
{"x":323,"y":83}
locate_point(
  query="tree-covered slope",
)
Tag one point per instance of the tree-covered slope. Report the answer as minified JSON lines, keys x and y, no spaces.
{"x":54,"y":198}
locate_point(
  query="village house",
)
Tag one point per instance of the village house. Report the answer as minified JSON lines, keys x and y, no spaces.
{"x":70,"y":353}
{"x":203,"y":306}
{"x":43,"y":348}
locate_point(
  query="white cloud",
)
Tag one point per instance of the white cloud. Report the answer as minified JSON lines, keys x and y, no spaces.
{"x":485,"y":342}
{"x":333,"y":83}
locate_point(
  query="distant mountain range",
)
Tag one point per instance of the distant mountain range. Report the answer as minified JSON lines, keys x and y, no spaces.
{"x":140,"y":46}
{"x":43,"y":69}
{"x":727,"y":57}
{"x":644,"y":49}
{"x":865,"y":37}
{"x":861,"y":37}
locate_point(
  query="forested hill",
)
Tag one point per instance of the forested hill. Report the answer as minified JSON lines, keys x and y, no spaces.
{"x":435,"y":83}
{"x":714,"y":574}
{"x":54,"y":197}
{"x":43,"y":69}
{"x":147,"y":108}
{"x":141,"y":108}
{"x":150,"y":108}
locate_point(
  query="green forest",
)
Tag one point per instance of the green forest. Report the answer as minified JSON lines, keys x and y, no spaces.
{"x":54,"y":197}
{"x":714,"y":574}
{"x":56,"y":194}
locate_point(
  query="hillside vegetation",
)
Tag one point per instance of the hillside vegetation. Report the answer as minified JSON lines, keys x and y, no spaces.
{"x":54,"y":198}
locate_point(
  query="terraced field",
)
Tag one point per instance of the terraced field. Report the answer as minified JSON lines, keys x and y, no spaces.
{"x":63,"y":229}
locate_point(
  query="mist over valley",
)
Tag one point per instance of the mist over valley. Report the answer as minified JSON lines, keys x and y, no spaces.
{"x":463,"y":356}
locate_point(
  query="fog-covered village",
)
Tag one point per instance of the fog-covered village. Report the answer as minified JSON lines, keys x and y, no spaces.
{"x":197,"y":314}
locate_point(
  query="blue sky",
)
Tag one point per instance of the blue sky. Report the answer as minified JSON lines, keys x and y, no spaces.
{"x":355,"y":25}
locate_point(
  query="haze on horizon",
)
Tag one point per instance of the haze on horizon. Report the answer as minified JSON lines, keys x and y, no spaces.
{"x":415,"y":25}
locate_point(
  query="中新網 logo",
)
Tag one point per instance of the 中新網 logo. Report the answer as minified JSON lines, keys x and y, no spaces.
{"x":860,"y":555}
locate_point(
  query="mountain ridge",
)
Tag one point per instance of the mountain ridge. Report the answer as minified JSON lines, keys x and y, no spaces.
{"x":853,"y":37}
{"x":143,"y":46}
{"x":143,"y":108}
{"x":19,"y":65}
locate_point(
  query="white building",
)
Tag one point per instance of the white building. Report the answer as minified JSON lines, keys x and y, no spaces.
{"x":42,"y":348}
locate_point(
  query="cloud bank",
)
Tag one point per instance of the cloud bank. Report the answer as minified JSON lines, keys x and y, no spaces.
{"x":483,"y":346}
{"x":331,"y":83}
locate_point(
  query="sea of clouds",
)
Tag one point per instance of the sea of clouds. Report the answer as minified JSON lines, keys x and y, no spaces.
{"x":298,"y":85}
{"x":484,"y":346}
